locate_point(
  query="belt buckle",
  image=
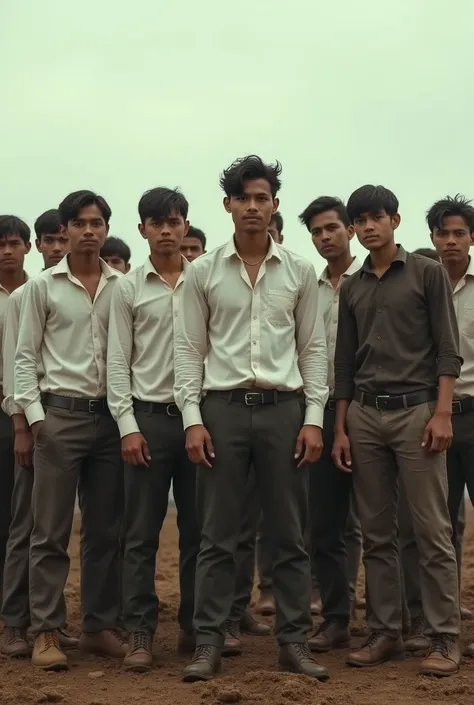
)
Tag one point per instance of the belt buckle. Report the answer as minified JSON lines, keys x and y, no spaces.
{"x":170,"y":408}
{"x":94,"y":405}
{"x":457,"y":406}
{"x":253,"y":398}
{"x":382,"y":396}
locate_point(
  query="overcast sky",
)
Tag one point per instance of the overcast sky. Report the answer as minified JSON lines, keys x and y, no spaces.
{"x":119,"y":100}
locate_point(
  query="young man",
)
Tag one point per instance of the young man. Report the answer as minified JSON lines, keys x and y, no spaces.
{"x":327,"y":220}
{"x":116,"y":253}
{"x":140,"y":393}
{"x":275,"y":228}
{"x":53,"y":244}
{"x":194,"y":244}
{"x":396,"y":362}
{"x":64,"y":321}
{"x":249,"y":315}
{"x":14,"y":245}
{"x":451,"y":224}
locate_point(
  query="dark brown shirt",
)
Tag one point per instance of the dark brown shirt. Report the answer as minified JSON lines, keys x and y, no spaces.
{"x":399,"y":333}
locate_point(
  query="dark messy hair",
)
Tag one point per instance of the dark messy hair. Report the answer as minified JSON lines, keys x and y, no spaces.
{"x":459,"y":205}
{"x":249,"y":168}
{"x":198,"y":234}
{"x":277,"y":218}
{"x":11,"y":225}
{"x":48,"y":223}
{"x":72,"y":205}
{"x":427,"y":252}
{"x":323,"y":204}
{"x":371,"y":199}
{"x":115,"y":247}
{"x":159,"y":203}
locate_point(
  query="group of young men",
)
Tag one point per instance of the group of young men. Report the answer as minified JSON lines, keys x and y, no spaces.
{"x":290,"y":415}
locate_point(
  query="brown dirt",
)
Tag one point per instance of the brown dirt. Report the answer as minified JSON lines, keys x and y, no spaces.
{"x":249,"y":680}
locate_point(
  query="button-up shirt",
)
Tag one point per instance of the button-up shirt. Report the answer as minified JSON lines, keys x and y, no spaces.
{"x":267,"y":336}
{"x":4,"y":298}
{"x":68,"y":330}
{"x":140,"y":361}
{"x":329,"y":310}
{"x":10,"y":339}
{"x":398,"y":333}
{"x":463,"y":297}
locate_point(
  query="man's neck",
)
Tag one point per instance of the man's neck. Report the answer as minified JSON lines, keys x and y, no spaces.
{"x":167,"y":264}
{"x":383,"y":258}
{"x":456,"y":270}
{"x":12,"y":280}
{"x":339,"y":266}
{"x":84,"y":265}
{"x":252,"y":245}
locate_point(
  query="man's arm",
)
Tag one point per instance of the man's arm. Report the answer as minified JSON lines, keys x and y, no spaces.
{"x":10,"y":338}
{"x":346,"y":349}
{"x":33,"y":315}
{"x":312,"y":350}
{"x":443,"y":322}
{"x":190,"y":349}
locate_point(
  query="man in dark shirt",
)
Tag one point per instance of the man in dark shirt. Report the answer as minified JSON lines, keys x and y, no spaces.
{"x":396,"y":360}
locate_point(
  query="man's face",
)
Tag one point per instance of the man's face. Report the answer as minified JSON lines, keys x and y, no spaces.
{"x":12,"y":253}
{"x":330,"y":236}
{"x":117,"y":263}
{"x":453,"y":240}
{"x":53,"y":247}
{"x":192,"y":248}
{"x":275,"y":233}
{"x":375,"y":230}
{"x":253,"y":210}
{"x":87,"y":232}
{"x":165,"y":235}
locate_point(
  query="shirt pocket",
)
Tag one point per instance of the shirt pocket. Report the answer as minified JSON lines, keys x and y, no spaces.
{"x":280,"y":307}
{"x":466,"y":324}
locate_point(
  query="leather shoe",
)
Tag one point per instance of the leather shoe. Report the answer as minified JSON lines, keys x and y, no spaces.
{"x":232,"y":643}
{"x":138,"y":658}
{"x":15,"y":642}
{"x":377,"y":649}
{"x":330,"y":635}
{"x":297,"y":658}
{"x":265,"y":603}
{"x":66,"y":641}
{"x":249,"y":625}
{"x":417,"y":640}
{"x":186,"y":642}
{"x":443,"y":658}
{"x":108,"y":642}
{"x":465,"y":613}
{"x":205,"y":663}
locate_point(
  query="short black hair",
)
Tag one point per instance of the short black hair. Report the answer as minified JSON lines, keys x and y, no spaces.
{"x":371,"y":199}
{"x":115,"y":247}
{"x":159,"y":203}
{"x":459,"y":205}
{"x":277,"y":218}
{"x":198,"y":234}
{"x":48,"y":223}
{"x":249,"y":168}
{"x":72,"y":205}
{"x":11,"y":225}
{"x":428,"y":252}
{"x":323,"y":204}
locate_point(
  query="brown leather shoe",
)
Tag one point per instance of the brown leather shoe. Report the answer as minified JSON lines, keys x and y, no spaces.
{"x":417,"y":641}
{"x":47,"y":654}
{"x":316,"y":604}
{"x":249,"y":625}
{"x":297,"y":658}
{"x":66,"y":641}
{"x":265,"y":603}
{"x":205,"y":663}
{"x":443,"y":658}
{"x":377,"y":649}
{"x":138,"y":658}
{"x":329,"y":636}
{"x":15,"y":643}
{"x":232,"y":644}
{"x":105,"y":643}
{"x":186,"y":642}
{"x":465,"y":613}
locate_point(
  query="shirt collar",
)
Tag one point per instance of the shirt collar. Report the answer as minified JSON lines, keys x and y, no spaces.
{"x":401,"y":256}
{"x":354,"y":267}
{"x":470,"y":268}
{"x":273,"y":250}
{"x":2,"y":288}
{"x":63,"y":268}
{"x":148,"y":267}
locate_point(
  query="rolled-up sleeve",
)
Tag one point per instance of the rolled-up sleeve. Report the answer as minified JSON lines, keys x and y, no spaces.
{"x":346,"y":348}
{"x":443,"y":321}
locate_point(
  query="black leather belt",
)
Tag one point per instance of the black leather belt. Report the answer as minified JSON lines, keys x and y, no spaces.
{"x":254,"y":398}
{"x":386,"y":402}
{"x":93,"y":406}
{"x":151,"y":407}
{"x":463,"y":406}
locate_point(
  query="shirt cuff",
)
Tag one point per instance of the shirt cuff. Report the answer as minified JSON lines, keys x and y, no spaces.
{"x":127,"y":425}
{"x":10,"y":407}
{"x":34,"y":413}
{"x":192,"y":416}
{"x":314,"y":416}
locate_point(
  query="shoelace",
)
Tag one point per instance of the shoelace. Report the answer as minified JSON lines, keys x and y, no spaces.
{"x":51,"y":640}
{"x":372,"y":640}
{"x":303,"y":652}
{"x":117,"y":636}
{"x":231,"y":628}
{"x":203,"y":652}
{"x":15,"y":634}
{"x":140,"y":641}
{"x":441,"y":643}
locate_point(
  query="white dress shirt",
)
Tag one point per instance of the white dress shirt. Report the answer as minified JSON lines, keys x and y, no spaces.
{"x":11,"y":327}
{"x":264,"y":336}
{"x":68,"y":330}
{"x":463,"y":297}
{"x":4,"y":299}
{"x":143,"y":316}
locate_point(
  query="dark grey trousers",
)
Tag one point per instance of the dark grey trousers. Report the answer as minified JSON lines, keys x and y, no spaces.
{"x":7,"y":465}
{"x":265,"y":437}
{"x":146,"y":505}
{"x":460,"y":460}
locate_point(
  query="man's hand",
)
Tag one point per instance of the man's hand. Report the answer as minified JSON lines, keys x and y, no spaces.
{"x":199,"y":445}
{"x":135,"y":450}
{"x":438,"y":433}
{"x":23,"y":447}
{"x":341,"y":451}
{"x":311,"y":441}
{"x":35,"y":429}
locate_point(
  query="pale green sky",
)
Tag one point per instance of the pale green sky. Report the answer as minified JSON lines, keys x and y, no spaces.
{"x":121,"y":100}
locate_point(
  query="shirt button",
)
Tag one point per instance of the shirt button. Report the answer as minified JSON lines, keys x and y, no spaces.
{"x":379,"y":310}
{"x":379,"y":367}
{"x":254,"y":342}
{"x":379,"y":337}
{"x":255,"y":318}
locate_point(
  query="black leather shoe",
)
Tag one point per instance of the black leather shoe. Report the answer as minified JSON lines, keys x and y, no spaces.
{"x":329,"y":636}
{"x":205,"y":663}
{"x":297,"y":658}
{"x":251,"y":626}
{"x":232,"y":644}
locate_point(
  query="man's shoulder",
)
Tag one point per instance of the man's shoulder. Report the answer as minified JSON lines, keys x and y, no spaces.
{"x":208,"y":261}
{"x":422,"y":263}
{"x":293,"y":259}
